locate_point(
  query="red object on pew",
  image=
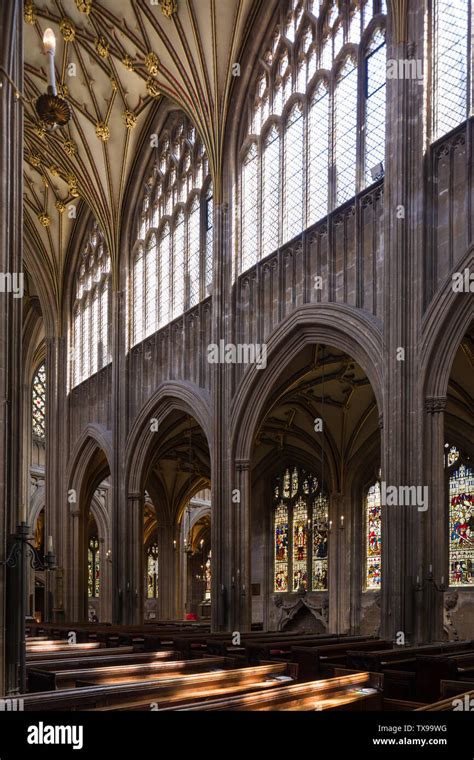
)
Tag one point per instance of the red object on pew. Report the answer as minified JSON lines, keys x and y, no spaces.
{"x":191,"y":616}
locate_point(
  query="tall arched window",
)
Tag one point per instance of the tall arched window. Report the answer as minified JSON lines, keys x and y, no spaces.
{"x":38,"y":399}
{"x":451,"y":49}
{"x":300,"y":532}
{"x":152,"y":571}
{"x":461,"y":518}
{"x":91,"y":315}
{"x":373,"y":538}
{"x":173,"y":253}
{"x":299,"y":156}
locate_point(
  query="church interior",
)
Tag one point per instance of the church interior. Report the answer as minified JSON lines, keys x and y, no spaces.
{"x":236,"y":355}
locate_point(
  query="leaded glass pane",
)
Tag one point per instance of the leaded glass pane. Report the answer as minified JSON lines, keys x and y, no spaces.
{"x":450,"y":64}
{"x":151,"y":286}
{"x":346,"y":133}
{"x":271,"y":183}
{"x":178,"y":267}
{"x":194,"y":251}
{"x":164,"y":277}
{"x":318,"y":141}
{"x":374,"y":537}
{"x":39,"y":402}
{"x":461,"y":527}
{"x":249,"y":209}
{"x":138,"y":283}
{"x":294,"y":177}
{"x":375,"y":106}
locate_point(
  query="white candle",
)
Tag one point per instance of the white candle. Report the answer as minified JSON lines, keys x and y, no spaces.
{"x":431,"y":569}
{"x":49,"y":45}
{"x":417,"y":580}
{"x":342,"y":521}
{"x":50,"y":544}
{"x":22,"y":513}
{"x":442,"y":580}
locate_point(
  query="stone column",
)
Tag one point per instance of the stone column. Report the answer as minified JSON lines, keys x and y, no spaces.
{"x":56,"y":511}
{"x":118,"y":514}
{"x":242,"y":610}
{"x":168,"y":578}
{"x":11,"y":263}
{"x":131,"y":557}
{"x":222,"y":534}
{"x":403,"y":285}
{"x":435,"y":529}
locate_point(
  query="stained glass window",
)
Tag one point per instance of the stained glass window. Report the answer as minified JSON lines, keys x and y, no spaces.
{"x":320,"y":543}
{"x":207,"y":578}
{"x":90,"y":339}
{"x":373,"y":532}
{"x":300,"y":532}
{"x":93,"y":568}
{"x":152,"y":571}
{"x":461,"y":525}
{"x":452,"y":455}
{"x":39,"y":403}
{"x":451,"y":56}
{"x":175,"y":229}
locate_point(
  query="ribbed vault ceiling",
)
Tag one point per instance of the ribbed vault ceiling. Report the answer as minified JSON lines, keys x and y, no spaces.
{"x":125,"y":57}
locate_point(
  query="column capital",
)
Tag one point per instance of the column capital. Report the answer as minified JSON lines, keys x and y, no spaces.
{"x":435,"y":404}
{"x":242,"y":465}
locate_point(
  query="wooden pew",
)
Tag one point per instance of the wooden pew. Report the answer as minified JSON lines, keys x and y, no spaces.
{"x":72,"y":652}
{"x":447,"y":704}
{"x":257,"y":650}
{"x":75,"y":677}
{"x":316,"y":661}
{"x":50,"y":647}
{"x":361,"y":691}
{"x":432,"y":669}
{"x":46,"y":674}
{"x":272,"y":643}
{"x":377,"y":661}
{"x":143,"y":694}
